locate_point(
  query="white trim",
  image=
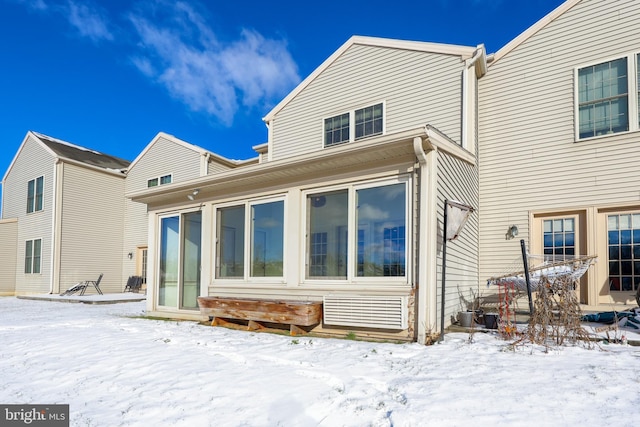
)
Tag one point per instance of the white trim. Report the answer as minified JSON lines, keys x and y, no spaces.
{"x":159,"y":178}
{"x":532,"y":30}
{"x":352,"y":231}
{"x":247,"y":204}
{"x":352,"y":124}
{"x":632,"y":95}
{"x":464,"y":52}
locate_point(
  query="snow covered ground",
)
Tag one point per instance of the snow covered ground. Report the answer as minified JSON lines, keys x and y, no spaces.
{"x":116,"y":369}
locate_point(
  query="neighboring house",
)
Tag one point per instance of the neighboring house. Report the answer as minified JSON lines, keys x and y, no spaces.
{"x":166,"y":160}
{"x":62,"y":217}
{"x":559,"y":136}
{"x":346,"y":201}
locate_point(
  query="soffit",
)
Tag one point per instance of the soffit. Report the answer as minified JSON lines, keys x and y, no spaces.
{"x":349,"y":158}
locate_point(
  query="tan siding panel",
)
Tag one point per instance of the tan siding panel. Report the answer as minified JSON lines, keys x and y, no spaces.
{"x":458,"y":180}
{"x":32,"y":161}
{"x":164,"y":157}
{"x":8,"y":256}
{"x":92,"y":223}
{"x":528,"y":158}
{"x":418,"y":88}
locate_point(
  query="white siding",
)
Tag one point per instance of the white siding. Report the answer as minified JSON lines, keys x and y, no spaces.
{"x":528,"y":158}
{"x":8,"y":257}
{"x":216,"y":167}
{"x":418,"y":88}
{"x":32,"y":161}
{"x":91,"y":228}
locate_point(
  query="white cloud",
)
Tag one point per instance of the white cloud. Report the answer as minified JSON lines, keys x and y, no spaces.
{"x":89,"y":21}
{"x":367,"y":212}
{"x":205,"y":74}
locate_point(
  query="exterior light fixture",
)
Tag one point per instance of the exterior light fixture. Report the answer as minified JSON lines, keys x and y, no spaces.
{"x":193,"y":195}
{"x":130,"y":255}
{"x":512,"y":232}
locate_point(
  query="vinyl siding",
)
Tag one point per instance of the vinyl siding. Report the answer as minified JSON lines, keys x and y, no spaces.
{"x":528,"y":158}
{"x":417,"y":88}
{"x":458,"y":180}
{"x":163,"y":157}
{"x":91,"y":228}
{"x":8,"y":256}
{"x":32,"y":161}
{"x":215,"y":167}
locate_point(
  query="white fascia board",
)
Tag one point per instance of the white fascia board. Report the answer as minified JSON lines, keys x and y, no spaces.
{"x":532,"y":30}
{"x":464,"y":52}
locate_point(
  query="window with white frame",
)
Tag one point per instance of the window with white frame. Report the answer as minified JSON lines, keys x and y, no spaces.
{"x":373,"y":217}
{"x":161,"y":180}
{"x":35,"y":190}
{"x":608,"y":99}
{"x":250,"y":240}
{"x":368,"y":121}
{"x":32,"y":256}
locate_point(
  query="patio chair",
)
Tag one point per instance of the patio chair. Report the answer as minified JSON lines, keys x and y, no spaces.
{"x":134,"y":283}
{"x":82,"y":287}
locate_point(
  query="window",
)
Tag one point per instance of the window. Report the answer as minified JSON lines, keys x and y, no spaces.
{"x":368,"y":121}
{"x":608,"y":97}
{"x":327,"y":225}
{"x":373,"y":217}
{"x":34,"y":194}
{"x":559,"y":238}
{"x":623,"y":242}
{"x":336,"y":130}
{"x":32,"y":256}
{"x":162,"y":180}
{"x":253,"y":243}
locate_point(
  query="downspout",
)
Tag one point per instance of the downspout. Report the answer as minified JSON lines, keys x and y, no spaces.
{"x":204,"y":164}
{"x":427,"y":231}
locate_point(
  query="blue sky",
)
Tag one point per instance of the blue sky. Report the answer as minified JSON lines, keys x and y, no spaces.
{"x":110,"y":75}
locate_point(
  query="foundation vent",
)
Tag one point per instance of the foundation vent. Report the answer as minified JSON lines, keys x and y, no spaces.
{"x":367,"y":311}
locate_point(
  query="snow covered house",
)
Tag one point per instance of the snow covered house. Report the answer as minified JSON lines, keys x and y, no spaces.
{"x":559,"y":145}
{"x":53,"y":195}
{"x":345,"y":205}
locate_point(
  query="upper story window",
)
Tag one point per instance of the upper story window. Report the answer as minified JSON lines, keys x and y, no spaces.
{"x":161,"y":180}
{"x":367,"y":121}
{"x":34,"y":194}
{"x":607,"y":97}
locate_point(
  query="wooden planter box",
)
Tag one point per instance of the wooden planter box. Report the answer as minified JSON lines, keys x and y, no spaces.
{"x":294,"y":313}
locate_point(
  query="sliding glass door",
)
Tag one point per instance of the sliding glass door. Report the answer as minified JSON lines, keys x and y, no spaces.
{"x":180,"y":259}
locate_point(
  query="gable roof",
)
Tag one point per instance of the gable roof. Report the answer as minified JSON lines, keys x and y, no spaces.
{"x":202,"y":151}
{"x":72,"y":153}
{"x":66,"y":150}
{"x":532,"y":30}
{"x":465,"y":52}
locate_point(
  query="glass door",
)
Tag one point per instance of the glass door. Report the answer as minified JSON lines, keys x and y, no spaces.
{"x":179,"y":261}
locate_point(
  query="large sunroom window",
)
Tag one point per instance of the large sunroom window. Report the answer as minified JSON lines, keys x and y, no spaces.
{"x":373,"y":218}
{"x":251,"y":244}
